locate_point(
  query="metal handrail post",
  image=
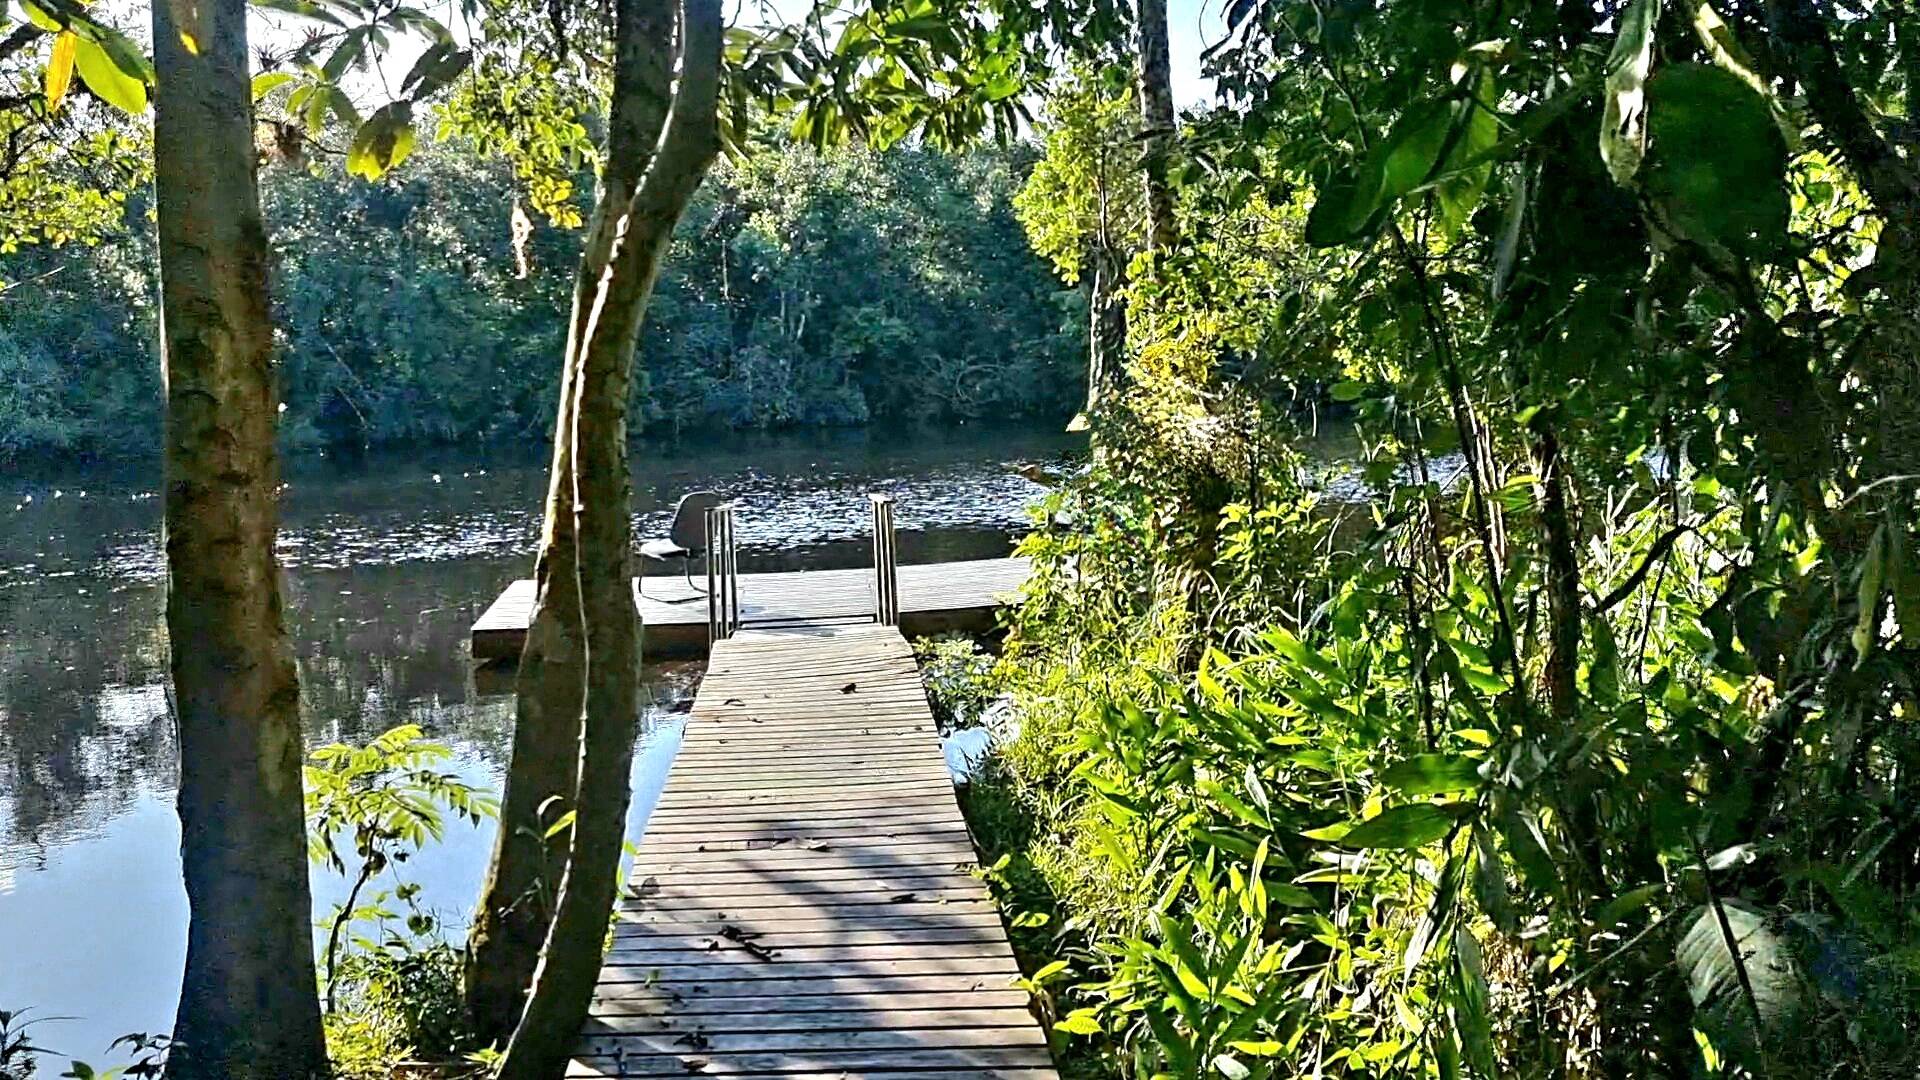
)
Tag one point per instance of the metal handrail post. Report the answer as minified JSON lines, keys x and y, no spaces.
{"x":723,"y":575}
{"x":733,"y":577}
{"x":716,"y":573}
{"x":886,"y":578}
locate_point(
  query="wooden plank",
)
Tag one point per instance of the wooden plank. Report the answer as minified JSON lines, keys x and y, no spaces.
{"x":634,"y":1043}
{"x":805,"y":944}
{"x":808,"y":1009}
{"x":783,"y":925}
{"x":843,"y":1020}
{"x":836,"y":1063}
{"x":804,"y":902}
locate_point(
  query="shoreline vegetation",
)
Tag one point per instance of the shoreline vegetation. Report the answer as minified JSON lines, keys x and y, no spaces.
{"x":804,"y":289}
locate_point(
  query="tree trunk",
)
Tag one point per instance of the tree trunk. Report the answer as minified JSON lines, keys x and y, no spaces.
{"x":248,"y":1001}
{"x":1156,"y":121}
{"x":1106,"y":335}
{"x":602,"y":358}
{"x":516,"y":906}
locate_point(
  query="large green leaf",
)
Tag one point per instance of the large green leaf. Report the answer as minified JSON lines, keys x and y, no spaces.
{"x":1433,"y":774}
{"x":1623,"y":128}
{"x":1717,"y":164}
{"x":1410,"y":826}
{"x":1352,"y":205}
{"x":104,"y":77}
{"x":1713,"y":975}
{"x":1479,"y":132}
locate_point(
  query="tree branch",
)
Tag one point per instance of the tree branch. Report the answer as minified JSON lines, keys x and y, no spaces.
{"x":692,"y":138}
{"x":1887,"y":177}
{"x":1660,"y":547}
{"x":22,"y":36}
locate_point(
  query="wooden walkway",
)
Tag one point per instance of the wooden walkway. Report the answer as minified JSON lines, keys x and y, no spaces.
{"x":934,"y":597}
{"x":802,"y":904}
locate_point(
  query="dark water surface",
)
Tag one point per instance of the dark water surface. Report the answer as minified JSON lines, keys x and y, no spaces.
{"x":388,"y":562}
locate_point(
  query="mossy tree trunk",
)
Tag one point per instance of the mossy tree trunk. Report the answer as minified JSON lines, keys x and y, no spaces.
{"x":248,"y":1002}
{"x":1157,"y":125}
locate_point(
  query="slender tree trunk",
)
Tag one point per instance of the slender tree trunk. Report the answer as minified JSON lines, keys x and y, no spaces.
{"x":517,"y":901}
{"x":1106,"y":334}
{"x":1156,"y":121}
{"x":602,"y":356}
{"x":248,"y":1002}
{"x":1563,"y":580}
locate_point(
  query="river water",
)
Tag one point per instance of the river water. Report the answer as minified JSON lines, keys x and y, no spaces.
{"x":388,"y":562}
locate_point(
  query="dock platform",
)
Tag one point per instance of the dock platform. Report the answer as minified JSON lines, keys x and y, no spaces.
{"x":802,"y":904}
{"x":934,"y":598}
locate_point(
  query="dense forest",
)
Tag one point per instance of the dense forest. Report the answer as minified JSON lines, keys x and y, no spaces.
{"x":804,"y":288}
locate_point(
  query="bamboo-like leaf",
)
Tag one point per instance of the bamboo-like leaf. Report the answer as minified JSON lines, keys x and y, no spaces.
{"x":1872,"y":576}
{"x":1410,"y":826}
{"x":1433,"y":774}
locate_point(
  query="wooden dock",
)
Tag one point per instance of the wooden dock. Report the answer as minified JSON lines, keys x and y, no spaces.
{"x":802,"y":904}
{"x":934,"y":598}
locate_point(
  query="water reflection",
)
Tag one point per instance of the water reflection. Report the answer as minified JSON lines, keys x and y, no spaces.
{"x":388,"y":563}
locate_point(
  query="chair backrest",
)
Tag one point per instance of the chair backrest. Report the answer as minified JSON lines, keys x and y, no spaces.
{"x":689,"y":528}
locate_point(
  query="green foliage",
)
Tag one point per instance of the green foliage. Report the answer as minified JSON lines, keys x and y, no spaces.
{"x":957,"y":674}
{"x":803,"y":289}
{"x":1537,"y":739}
{"x":392,"y":986}
{"x":1085,"y":192}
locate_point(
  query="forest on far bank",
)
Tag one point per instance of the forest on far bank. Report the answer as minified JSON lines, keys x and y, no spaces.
{"x":804,"y":288}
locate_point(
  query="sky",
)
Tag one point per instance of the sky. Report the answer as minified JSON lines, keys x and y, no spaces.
{"x":1192,"y":26}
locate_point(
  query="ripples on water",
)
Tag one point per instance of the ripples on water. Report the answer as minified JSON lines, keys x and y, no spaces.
{"x":108,"y":535}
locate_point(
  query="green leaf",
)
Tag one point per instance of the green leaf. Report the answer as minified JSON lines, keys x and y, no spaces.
{"x":1412,"y":150}
{"x":268,"y":81}
{"x":1613,"y":911}
{"x":353,"y":45}
{"x":1717,"y":165}
{"x":39,"y":17}
{"x":1478,"y":133}
{"x":1049,"y":971}
{"x":304,"y":8}
{"x":1433,"y":774}
{"x":1410,"y":826}
{"x":1623,"y":127}
{"x":1713,"y":979}
{"x":104,"y":77}
{"x":436,"y":67}
{"x":126,"y":55}
{"x":561,"y":824}
{"x":383,"y":142}
{"x":1347,"y":391}
{"x":1079,"y":1022}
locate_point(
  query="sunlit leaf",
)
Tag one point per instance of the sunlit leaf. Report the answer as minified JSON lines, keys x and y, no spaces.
{"x":59,"y":73}
{"x":105,"y":78}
